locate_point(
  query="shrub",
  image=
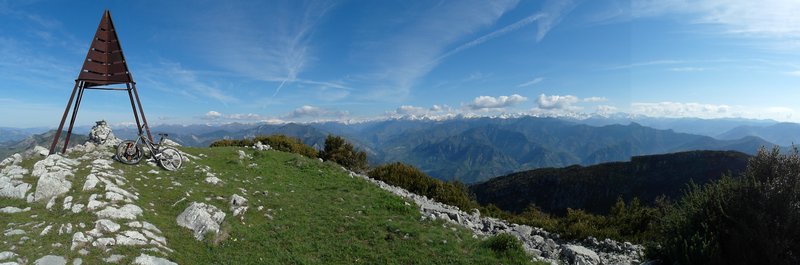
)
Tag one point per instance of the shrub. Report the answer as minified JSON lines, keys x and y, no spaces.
{"x":277,"y":141}
{"x":340,"y":151}
{"x":285,"y":143}
{"x":414,"y":180}
{"x":504,"y":245}
{"x":754,"y":219}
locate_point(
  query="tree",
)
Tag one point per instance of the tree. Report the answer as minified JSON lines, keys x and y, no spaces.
{"x":342,"y":152}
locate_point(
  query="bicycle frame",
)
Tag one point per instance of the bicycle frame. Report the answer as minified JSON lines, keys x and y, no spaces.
{"x":153,"y":147}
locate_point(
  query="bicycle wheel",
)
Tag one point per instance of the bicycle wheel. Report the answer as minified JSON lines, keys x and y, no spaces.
{"x":129,"y":153}
{"x":170,"y":158}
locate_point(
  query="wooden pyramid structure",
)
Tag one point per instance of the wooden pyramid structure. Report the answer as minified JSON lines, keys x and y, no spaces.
{"x":104,"y":65}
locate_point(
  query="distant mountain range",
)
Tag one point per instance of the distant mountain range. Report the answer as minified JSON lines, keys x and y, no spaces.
{"x":596,"y":188}
{"x":16,"y":134}
{"x":44,"y":139}
{"x":473,"y":150}
{"x":476,"y":149}
{"x":780,"y":133}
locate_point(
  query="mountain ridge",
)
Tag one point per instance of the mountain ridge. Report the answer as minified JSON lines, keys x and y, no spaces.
{"x":596,"y":188}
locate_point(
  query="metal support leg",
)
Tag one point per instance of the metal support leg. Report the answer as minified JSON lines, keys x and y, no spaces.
{"x":133,"y":107}
{"x":72,"y":120}
{"x":146,"y":126}
{"x":63,"y":119}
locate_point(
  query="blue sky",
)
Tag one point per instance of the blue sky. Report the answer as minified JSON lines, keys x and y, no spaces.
{"x":253,"y":61}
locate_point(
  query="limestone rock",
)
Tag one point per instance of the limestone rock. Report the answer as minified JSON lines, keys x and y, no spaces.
{"x":91,"y":182}
{"x":261,"y":147}
{"x":51,"y":260}
{"x":145,"y":259}
{"x":13,"y":232}
{"x":51,"y":185}
{"x":213,"y":180}
{"x":10,"y":190}
{"x":79,"y":239}
{"x":94,"y":203}
{"x":106,"y":226}
{"x":238,"y":205}
{"x":129,"y":211}
{"x":7,"y":255}
{"x":114,"y":258}
{"x":104,"y":242}
{"x":52,"y":173}
{"x":67,"y":203}
{"x":150,"y":227}
{"x":201,"y":218}
{"x":131,"y":238}
{"x":14,"y":159}
{"x":41,"y":150}
{"x":11,"y":209}
{"x":243,"y":155}
{"x":580,"y":255}
{"x":168,"y":142}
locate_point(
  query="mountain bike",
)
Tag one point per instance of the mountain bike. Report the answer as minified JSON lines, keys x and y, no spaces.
{"x":131,"y":152}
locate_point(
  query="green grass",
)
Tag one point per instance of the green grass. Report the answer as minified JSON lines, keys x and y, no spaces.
{"x":319,"y":215}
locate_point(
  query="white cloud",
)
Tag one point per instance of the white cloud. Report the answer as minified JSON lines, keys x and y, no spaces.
{"x":532,"y":82}
{"x":312,"y":111}
{"x":217,"y":116}
{"x":410,"y":110}
{"x":244,"y":116}
{"x":489,"y":102}
{"x":605,"y":109}
{"x":794,"y":73}
{"x":556,"y":101}
{"x":212,"y":115}
{"x":595,"y":99}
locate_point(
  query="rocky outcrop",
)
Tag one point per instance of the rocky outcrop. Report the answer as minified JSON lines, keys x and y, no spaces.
{"x":54,"y":174}
{"x":261,"y":147}
{"x":11,"y":174}
{"x":61,"y":187}
{"x":238,"y":205}
{"x":101,"y":134}
{"x":201,"y":218}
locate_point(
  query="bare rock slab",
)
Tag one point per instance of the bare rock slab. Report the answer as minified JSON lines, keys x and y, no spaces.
{"x":201,"y":218}
{"x":145,"y":259}
{"x":51,"y":260}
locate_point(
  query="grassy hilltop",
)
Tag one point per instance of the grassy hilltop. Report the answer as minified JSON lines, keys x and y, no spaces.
{"x":301,"y":211}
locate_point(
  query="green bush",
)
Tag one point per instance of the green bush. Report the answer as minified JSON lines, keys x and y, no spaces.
{"x":753,"y":219}
{"x":285,"y":143}
{"x":340,"y":151}
{"x":278,"y":142}
{"x":414,"y":180}
{"x":504,"y":245}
